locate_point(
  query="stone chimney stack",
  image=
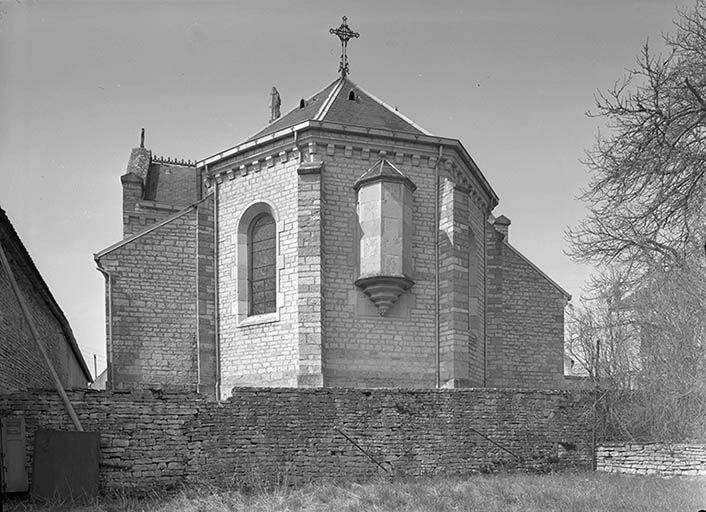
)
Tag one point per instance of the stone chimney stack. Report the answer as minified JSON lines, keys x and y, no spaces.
{"x":133,"y":182}
{"x":502,"y":225}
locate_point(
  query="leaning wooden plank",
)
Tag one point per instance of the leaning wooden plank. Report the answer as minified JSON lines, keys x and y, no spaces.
{"x":35,"y":336}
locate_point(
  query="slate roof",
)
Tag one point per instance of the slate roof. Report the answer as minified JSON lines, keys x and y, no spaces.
{"x":171,"y":184}
{"x":383,"y":169}
{"x":332,"y":104}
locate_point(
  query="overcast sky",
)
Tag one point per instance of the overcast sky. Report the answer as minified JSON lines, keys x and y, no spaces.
{"x":512,"y":80}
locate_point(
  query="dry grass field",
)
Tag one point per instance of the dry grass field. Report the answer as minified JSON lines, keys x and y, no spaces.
{"x":581,"y":491}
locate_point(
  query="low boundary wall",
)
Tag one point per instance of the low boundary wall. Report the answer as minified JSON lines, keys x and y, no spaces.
{"x":652,"y":459}
{"x":150,"y":438}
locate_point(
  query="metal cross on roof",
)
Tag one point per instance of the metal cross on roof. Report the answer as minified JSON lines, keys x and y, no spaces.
{"x":345,"y":34}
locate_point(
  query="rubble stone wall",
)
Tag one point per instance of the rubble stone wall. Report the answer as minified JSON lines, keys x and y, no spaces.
{"x":652,"y":459}
{"x":152,"y":439}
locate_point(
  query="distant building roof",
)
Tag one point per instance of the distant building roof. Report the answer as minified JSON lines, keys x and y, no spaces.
{"x":100,"y":381}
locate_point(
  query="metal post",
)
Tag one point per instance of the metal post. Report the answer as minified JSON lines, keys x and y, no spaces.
{"x":110,"y":372}
{"x":198,"y":312}
{"x":35,"y":336}
{"x":216,"y":316}
{"x":437,"y":321}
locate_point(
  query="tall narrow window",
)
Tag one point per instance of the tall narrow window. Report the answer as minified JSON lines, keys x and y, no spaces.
{"x":262,"y":266}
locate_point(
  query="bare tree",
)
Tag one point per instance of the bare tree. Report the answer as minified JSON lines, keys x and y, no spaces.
{"x":645,"y":352}
{"x":643,"y":335}
{"x":601,"y":335}
{"x":669,"y":311}
{"x":646,"y":198}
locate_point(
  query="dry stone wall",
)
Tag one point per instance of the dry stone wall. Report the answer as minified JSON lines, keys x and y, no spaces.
{"x":151,"y":439}
{"x":652,"y":459}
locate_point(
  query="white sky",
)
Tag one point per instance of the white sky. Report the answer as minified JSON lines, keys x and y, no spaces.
{"x":511,"y":79}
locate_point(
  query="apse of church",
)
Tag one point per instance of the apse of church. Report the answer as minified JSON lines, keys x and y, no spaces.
{"x":341,"y":245}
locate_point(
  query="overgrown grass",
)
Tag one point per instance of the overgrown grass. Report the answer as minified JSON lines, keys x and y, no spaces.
{"x":583,"y":491}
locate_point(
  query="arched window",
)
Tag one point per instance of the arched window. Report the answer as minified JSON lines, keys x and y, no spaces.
{"x":262,"y":265}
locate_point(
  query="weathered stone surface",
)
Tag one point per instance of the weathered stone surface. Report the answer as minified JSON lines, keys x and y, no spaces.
{"x":157,"y":439}
{"x":652,"y":459}
{"x":525,"y":320}
{"x":500,"y":319}
{"x":162,"y":300}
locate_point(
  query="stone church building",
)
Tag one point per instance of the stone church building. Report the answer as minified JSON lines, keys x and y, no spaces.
{"x":341,"y":245}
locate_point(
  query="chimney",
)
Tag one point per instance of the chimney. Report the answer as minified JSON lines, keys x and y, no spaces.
{"x":134,"y":180}
{"x":502,"y":225}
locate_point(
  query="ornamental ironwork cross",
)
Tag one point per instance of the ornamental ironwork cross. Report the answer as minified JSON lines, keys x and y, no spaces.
{"x":345,"y":34}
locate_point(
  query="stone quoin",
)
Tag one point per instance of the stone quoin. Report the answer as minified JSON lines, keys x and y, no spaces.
{"x":341,"y":245}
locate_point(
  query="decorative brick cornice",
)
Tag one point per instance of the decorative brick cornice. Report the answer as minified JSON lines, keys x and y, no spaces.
{"x":337,"y":130}
{"x":462,"y":188}
{"x":411,"y":152}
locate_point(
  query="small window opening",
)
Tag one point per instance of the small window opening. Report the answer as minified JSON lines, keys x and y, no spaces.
{"x":302,"y":103}
{"x":351,"y":95}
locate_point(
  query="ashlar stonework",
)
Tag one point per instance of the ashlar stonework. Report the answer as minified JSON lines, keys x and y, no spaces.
{"x":390,"y":269}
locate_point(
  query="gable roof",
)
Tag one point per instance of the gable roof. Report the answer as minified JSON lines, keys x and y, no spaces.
{"x":551,"y":281}
{"x":332,"y":104}
{"x":13,"y":244}
{"x":152,"y":227}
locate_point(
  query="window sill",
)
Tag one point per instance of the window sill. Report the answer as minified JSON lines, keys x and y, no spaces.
{"x":267,"y":318}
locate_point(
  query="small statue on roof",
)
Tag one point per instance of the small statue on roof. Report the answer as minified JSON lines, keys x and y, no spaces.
{"x":275,"y":102}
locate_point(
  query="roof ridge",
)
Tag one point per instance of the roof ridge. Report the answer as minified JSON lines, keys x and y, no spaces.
{"x":538,"y":270}
{"x":384,"y":160}
{"x":294,"y":109}
{"x":35,"y":276}
{"x":150,"y":228}
{"x":329,"y":100}
{"x":396,"y":112}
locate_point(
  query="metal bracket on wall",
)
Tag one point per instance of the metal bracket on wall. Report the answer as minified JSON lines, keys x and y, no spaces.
{"x":496,"y":444}
{"x":37,"y":340}
{"x":352,"y":441}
